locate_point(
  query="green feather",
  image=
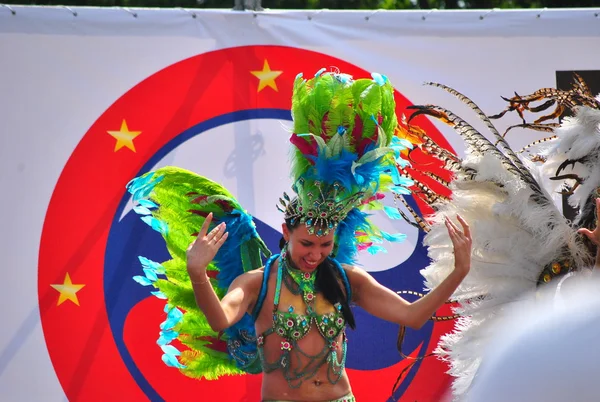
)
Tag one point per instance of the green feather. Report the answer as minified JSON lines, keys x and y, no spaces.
{"x":299,"y":115}
{"x":208,"y":365}
{"x":178,"y":295}
{"x":341,"y":115}
{"x":370,"y":105}
{"x":388,"y":109}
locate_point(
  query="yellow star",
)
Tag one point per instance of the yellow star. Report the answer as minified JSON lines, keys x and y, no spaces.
{"x":266,"y":77}
{"x":68,"y":291}
{"x":124,"y":137}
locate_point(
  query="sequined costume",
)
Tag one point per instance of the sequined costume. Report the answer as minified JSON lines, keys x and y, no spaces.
{"x":291,"y":327}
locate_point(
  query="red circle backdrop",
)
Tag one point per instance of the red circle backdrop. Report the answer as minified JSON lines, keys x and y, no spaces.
{"x":87,"y":196}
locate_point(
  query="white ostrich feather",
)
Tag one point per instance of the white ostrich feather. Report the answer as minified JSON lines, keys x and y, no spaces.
{"x":514,"y":237}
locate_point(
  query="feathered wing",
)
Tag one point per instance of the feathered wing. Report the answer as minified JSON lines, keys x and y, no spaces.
{"x":175,"y":202}
{"x":520,"y":238}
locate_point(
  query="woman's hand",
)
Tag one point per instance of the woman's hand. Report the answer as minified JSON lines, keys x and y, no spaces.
{"x":594,"y":235}
{"x":203,"y":250}
{"x":461,"y":240}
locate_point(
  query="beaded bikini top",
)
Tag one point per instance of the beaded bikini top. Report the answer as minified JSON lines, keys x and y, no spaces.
{"x":292,"y":327}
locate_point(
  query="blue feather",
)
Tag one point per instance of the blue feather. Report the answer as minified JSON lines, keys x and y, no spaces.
{"x":155,"y":266}
{"x":150,"y":274}
{"x":376,"y":249}
{"x":406,"y":182}
{"x":369,"y":172}
{"x":159,"y":294}
{"x":392,"y":212}
{"x":356,"y":220}
{"x":400,"y":190}
{"x":141,"y":210}
{"x":139,"y":182}
{"x":337,"y":168}
{"x":170,"y":350}
{"x":395,"y":175}
{"x":379,"y":79}
{"x":141,"y":187}
{"x":156,"y":224}
{"x":171,"y":361}
{"x":241,"y":229}
{"x":167,"y":337}
{"x":147,"y":203}
{"x":142,"y":280}
{"x":403,"y":162}
{"x":173,"y":318}
{"x":402,"y":143}
{"x":397,"y":237}
{"x":343,"y":78}
{"x":241,"y":345}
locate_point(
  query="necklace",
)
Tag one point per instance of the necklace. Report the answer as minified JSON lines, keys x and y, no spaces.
{"x":299,"y":282}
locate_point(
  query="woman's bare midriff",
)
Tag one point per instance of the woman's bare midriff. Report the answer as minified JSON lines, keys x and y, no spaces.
{"x":317,"y":387}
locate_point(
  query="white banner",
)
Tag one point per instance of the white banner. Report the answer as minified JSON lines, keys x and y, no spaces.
{"x":90,"y":98}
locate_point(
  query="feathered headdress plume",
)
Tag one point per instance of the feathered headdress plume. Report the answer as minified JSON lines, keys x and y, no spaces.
{"x":345,"y":156}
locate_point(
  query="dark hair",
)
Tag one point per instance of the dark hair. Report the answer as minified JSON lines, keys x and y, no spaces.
{"x":328,"y":281}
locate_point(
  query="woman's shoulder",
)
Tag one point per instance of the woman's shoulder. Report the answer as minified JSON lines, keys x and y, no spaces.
{"x":251,"y":279}
{"x":255,"y":277}
{"x":258,"y":273}
{"x":353,"y":272}
{"x":358,"y":278}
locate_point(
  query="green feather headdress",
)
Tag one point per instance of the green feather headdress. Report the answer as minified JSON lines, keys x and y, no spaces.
{"x":345,"y":155}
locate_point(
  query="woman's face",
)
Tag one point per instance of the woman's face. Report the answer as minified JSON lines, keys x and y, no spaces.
{"x":307,"y":251}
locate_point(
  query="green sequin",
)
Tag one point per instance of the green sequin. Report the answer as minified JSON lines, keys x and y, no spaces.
{"x":305,"y":281}
{"x":293,"y":327}
{"x":296,"y":326}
